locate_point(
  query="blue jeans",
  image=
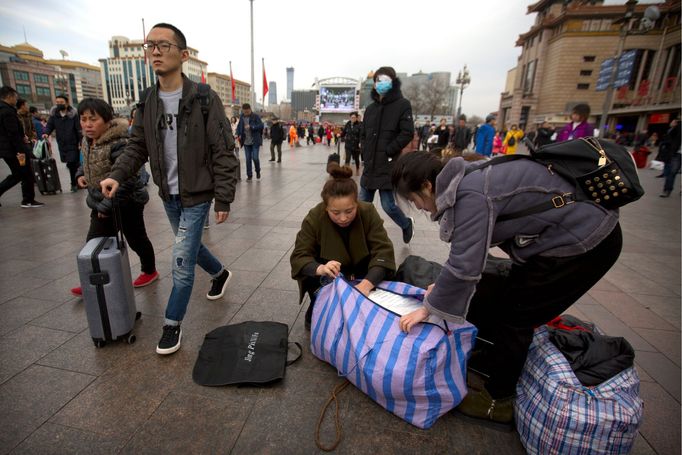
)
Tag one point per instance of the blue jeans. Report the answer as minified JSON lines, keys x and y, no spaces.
{"x":251,"y":152}
{"x":388,"y":204}
{"x":672,"y":167}
{"x":188,"y":251}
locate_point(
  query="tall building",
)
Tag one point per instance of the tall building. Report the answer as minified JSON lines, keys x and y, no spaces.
{"x":272,"y":93}
{"x":125,"y":74}
{"x":223,"y":87}
{"x":290,"y":82}
{"x":39,"y":80}
{"x":561,"y":58}
{"x":302,"y":100}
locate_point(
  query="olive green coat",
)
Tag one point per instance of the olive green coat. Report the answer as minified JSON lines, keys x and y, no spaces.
{"x":319,"y":241}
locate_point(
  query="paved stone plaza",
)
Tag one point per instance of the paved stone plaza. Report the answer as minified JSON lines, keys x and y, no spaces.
{"x":59,"y":394}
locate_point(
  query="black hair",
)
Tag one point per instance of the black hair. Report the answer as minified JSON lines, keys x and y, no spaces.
{"x":33,"y":110}
{"x":463,"y":117}
{"x":412,"y":170}
{"x":96,"y":106}
{"x":583,"y":110}
{"x":6,"y":91}
{"x":179,"y":36}
{"x":20,"y":103}
{"x":387,"y":70}
{"x":341,"y":183}
{"x":63,"y":96}
{"x":354,"y":113}
{"x":246,"y":106}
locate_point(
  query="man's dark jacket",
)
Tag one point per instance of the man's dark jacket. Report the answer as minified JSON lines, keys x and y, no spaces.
{"x":277,"y":133}
{"x":461,"y":137}
{"x":69,"y":135}
{"x":351,"y":134}
{"x":11,"y":132}
{"x":256,"y":125}
{"x":544,"y":136}
{"x":387,"y":128}
{"x":207,"y":166}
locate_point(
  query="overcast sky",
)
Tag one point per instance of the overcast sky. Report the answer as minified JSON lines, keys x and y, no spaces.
{"x":318,"y":38}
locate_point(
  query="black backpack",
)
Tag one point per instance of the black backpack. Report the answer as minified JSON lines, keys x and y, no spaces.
{"x":511,"y":142}
{"x":602,"y":172}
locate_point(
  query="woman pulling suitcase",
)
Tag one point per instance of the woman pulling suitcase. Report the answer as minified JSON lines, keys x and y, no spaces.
{"x":104,"y":138}
{"x":558,"y":255}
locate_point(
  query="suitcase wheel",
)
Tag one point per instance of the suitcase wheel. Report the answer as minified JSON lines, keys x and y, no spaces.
{"x":138,"y":315}
{"x":99,"y":343}
{"x":131,"y":339}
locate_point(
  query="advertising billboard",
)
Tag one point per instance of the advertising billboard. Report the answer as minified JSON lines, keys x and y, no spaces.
{"x":337,"y":99}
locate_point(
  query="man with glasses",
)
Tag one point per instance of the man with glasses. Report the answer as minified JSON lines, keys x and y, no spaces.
{"x":190,"y":169}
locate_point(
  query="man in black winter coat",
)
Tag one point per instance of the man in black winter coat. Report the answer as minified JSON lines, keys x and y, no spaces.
{"x":462,"y":135}
{"x":276,"y":139}
{"x":14,"y":150}
{"x":544,"y":135}
{"x":351,"y":135}
{"x":65,"y":122}
{"x":387,"y":128}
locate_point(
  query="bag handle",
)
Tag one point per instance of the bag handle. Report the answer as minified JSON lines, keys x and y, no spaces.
{"x":334,"y":397}
{"x":116,"y":212}
{"x":300,"y":353}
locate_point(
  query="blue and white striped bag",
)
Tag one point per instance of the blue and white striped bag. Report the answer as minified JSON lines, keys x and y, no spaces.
{"x":417,"y":376}
{"x":556,"y":414}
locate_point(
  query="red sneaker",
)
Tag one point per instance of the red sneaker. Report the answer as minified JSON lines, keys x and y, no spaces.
{"x":145,"y":278}
{"x":77,"y":291}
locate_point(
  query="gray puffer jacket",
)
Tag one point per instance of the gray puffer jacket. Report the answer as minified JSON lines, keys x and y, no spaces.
{"x":467,"y":210}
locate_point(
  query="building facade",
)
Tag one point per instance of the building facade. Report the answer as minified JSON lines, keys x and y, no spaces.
{"x":126,"y":73}
{"x":290,"y":82}
{"x":272,"y":93}
{"x":222,"y":85}
{"x":39,"y":80}
{"x":561,"y":57}
{"x":303,"y":100}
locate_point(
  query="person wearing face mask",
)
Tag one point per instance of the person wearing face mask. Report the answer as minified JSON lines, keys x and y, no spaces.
{"x":341,"y":235}
{"x":387,"y":128}
{"x":65,"y":123}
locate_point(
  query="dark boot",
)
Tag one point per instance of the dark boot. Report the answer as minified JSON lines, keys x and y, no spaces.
{"x":482,"y":407}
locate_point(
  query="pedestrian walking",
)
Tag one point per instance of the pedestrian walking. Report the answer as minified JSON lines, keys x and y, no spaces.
{"x":14,"y":150}
{"x":671,"y":157}
{"x":276,"y":139}
{"x":190,"y":169}
{"x":544,"y":135}
{"x":65,"y":124}
{"x":578,"y":127}
{"x":512,"y":139}
{"x":485,"y":136}
{"x":310,"y":137}
{"x":461,"y":135}
{"x":250,"y":133}
{"x":387,"y":128}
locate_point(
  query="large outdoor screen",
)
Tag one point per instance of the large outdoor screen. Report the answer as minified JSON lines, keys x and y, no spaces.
{"x":337,"y":99}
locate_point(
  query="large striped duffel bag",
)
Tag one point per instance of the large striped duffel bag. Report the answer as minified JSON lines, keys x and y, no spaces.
{"x":417,"y":376}
{"x":556,"y":414}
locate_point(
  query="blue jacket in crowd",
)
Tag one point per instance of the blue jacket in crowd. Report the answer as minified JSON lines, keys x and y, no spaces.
{"x":484,"y":139}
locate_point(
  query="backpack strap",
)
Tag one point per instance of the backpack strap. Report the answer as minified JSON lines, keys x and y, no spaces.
{"x":204,"y":97}
{"x":555,"y":202}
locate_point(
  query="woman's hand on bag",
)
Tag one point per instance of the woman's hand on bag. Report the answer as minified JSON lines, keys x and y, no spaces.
{"x":330,"y":269}
{"x":411,"y":319}
{"x":365,"y":286}
{"x":82,"y":183}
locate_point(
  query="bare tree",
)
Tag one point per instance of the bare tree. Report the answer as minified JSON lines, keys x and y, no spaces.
{"x":428,"y":98}
{"x":475,"y":120}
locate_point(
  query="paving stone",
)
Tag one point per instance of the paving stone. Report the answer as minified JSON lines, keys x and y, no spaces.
{"x":664,"y":372}
{"x":613,"y":326}
{"x":17,"y":312}
{"x":31,"y":397}
{"x":667,"y":342}
{"x":630,"y":311}
{"x":257,"y":260}
{"x":52,"y":439}
{"x":22,"y":347}
{"x":661,"y":424}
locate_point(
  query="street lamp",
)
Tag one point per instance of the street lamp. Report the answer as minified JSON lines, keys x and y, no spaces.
{"x":651,"y":15}
{"x":463,"y":80}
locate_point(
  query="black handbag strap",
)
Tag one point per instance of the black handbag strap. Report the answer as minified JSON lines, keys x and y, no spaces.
{"x":298,"y":357}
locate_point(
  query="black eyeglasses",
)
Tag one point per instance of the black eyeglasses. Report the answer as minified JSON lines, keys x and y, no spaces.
{"x":162,"y":46}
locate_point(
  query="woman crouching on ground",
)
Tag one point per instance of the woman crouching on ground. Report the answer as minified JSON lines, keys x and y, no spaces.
{"x":341,"y":235}
{"x":104,"y":139}
{"x":558,"y":255}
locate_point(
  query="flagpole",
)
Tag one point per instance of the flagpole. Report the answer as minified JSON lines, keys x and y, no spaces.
{"x":146,"y":66}
{"x":253,"y":80}
{"x":263,"y":66}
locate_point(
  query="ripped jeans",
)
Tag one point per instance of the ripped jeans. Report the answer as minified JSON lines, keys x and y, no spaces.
{"x":188,"y":251}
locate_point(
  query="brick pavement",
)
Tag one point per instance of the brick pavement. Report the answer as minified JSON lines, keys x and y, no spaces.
{"x":58,"y":394}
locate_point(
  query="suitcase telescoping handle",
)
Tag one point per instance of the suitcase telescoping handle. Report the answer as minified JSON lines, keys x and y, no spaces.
{"x":120,"y":242}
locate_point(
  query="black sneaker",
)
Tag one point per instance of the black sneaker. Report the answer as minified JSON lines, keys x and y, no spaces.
{"x":30,"y":205}
{"x":170,"y":340}
{"x":249,"y":178}
{"x":408,"y":232}
{"x":258,"y":174}
{"x":218,"y":285}
{"x":665,"y":193}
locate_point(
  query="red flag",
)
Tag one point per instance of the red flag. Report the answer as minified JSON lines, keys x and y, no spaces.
{"x":203,"y":78}
{"x":233,"y":85}
{"x":265,"y":82}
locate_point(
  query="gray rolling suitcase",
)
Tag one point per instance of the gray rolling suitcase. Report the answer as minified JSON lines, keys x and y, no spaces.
{"x":107,"y":286}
